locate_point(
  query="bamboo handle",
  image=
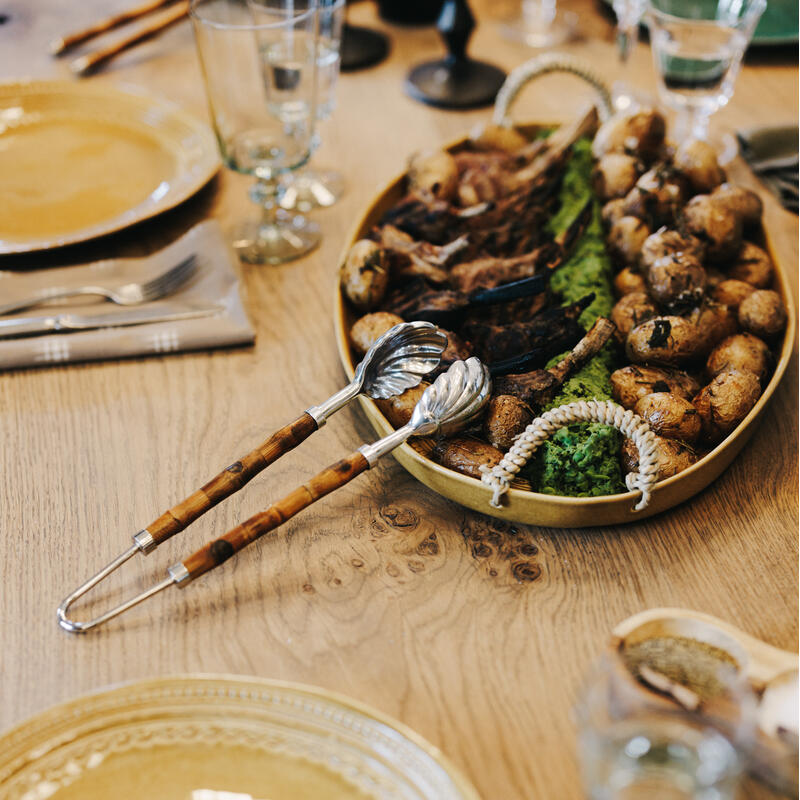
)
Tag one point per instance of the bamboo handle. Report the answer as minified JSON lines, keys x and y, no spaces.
{"x":90,"y":62}
{"x":70,"y":40}
{"x":231,"y":479}
{"x":215,"y":553}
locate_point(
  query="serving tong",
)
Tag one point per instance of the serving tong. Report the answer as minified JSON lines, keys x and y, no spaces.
{"x":397,"y":361}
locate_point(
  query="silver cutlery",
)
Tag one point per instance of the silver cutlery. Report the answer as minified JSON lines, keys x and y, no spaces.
{"x":126,"y":294}
{"x":450,"y":403}
{"x":65,"y":323}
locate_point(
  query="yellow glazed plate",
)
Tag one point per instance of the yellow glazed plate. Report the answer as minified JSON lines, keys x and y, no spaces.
{"x":221,"y":738}
{"x":79,"y":161}
{"x":520,"y":505}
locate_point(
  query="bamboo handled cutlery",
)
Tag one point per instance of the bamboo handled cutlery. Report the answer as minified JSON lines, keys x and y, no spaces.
{"x":397,"y":361}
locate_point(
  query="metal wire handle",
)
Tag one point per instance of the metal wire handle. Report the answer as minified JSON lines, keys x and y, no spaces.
{"x":544,"y":65}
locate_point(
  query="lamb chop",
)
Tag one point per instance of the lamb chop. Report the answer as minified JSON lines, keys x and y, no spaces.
{"x":410,"y":258}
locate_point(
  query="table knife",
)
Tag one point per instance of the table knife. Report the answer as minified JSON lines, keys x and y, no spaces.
{"x":67,"y":323}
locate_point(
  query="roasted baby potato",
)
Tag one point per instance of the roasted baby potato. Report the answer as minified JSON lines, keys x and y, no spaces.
{"x":613,"y":211}
{"x":625,"y":240}
{"x":677,"y":281}
{"x":743,"y":352}
{"x":753,"y":266}
{"x":716,"y":225}
{"x":506,"y":417}
{"x":614,"y":175}
{"x":725,"y":402}
{"x":669,"y":416}
{"x":697,"y":160}
{"x":763,"y":313}
{"x":626,"y":281}
{"x":629,"y":384}
{"x":714,"y":323}
{"x":369,"y":328}
{"x":498,"y":137}
{"x":745,"y":204}
{"x":640,"y":134}
{"x":433,"y":172}
{"x":666,"y":242}
{"x":365,"y":274}
{"x":658,"y":196}
{"x":673,"y":457}
{"x":665,"y":341}
{"x":398,"y":409}
{"x":731,"y":292}
{"x":631,"y":310}
{"x":466,"y":455}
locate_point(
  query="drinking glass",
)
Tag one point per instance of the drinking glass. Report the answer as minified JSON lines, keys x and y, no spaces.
{"x":260,"y":74}
{"x":541,"y":24}
{"x":310,"y":188}
{"x":629,"y":14}
{"x":697,"y":50}
{"x":638,"y":744}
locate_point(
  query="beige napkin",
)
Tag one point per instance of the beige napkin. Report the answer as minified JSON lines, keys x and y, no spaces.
{"x":214,"y":283}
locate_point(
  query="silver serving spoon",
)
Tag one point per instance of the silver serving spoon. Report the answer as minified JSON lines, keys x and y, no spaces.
{"x":450,"y":403}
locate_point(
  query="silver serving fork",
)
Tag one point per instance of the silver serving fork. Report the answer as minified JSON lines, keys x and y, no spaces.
{"x":127,"y":294}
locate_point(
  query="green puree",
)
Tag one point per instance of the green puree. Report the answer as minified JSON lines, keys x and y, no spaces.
{"x":582,"y":460}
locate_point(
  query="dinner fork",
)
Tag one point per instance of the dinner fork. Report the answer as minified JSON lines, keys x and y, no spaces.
{"x":127,"y":294}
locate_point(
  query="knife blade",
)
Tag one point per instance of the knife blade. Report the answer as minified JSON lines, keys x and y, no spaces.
{"x":68,"y":323}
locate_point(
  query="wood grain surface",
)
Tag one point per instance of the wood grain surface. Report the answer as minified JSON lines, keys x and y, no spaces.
{"x":476,"y":633}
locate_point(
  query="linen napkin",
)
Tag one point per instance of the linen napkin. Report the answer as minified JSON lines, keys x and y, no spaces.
{"x":772,"y":153}
{"x":214,"y":283}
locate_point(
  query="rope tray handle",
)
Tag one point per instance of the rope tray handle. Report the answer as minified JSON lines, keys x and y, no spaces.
{"x":544,"y":65}
{"x":499,"y":477}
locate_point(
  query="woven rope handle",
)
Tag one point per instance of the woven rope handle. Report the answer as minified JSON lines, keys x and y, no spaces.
{"x":634,"y":427}
{"x":544,"y":65}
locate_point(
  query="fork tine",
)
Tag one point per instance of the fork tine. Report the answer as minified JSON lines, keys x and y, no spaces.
{"x":171,"y":279}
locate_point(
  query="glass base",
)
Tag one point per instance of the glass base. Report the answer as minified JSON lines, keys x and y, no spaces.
{"x":289,"y":237}
{"x":543,"y":31}
{"x":626,"y":99}
{"x":312,"y":189}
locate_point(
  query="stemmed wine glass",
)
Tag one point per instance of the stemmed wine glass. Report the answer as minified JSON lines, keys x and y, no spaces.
{"x":698,"y":47}
{"x":629,"y":15}
{"x":310,"y":188}
{"x":541,"y":24}
{"x":260,"y":70}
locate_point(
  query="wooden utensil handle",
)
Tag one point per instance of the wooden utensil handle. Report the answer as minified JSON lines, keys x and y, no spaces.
{"x":70,"y":40}
{"x":215,"y":553}
{"x":89,"y":62}
{"x":232,"y":478}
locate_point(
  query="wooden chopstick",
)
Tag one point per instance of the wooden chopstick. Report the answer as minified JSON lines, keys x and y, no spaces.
{"x":89,"y":62}
{"x":67,"y":42}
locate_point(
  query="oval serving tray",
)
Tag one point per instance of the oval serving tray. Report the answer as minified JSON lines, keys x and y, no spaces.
{"x":215,"y":737}
{"x":520,"y":505}
{"x":80,"y":160}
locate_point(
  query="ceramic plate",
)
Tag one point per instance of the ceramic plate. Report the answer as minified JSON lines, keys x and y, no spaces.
{"x":520,"y":504}
{"x":79,"y":161}
{"x":221,"y":738}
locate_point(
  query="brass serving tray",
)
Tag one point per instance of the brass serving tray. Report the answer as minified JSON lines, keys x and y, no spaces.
{"x":80,"y":161}
{"x":520,"y":505}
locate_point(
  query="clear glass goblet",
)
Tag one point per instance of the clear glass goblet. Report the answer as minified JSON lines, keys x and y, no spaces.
{"x":629,"y":15}
{"x":311,"y":188}
{"x":260,"y":74}
{"x":697,"y":50}
{"x":541,"y":24}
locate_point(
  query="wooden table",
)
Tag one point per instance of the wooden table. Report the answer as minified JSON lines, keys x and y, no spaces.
{"x":383,"y":591}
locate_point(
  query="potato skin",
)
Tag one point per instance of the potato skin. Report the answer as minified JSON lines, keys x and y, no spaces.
{"x":676,"y":281}
{"x":753,"y":266}
{"x":745,"y":203}
{"x":743,"y":352}
{"x":614,"y":175}
{"x":629,"y":384}
{"x":673,"y":457}
{"x":631,"y":310}
{"x":625,"y":239}
{"x":398,"y":409}
{"x":763,"y":313}
{"x":433,"y":172}
{"x":506,"y":417}
{"x":714,"y":322}
{"x":640,"y":134}
{"x":627,"y":281}
{"x":664,"y":341}
{"x":466,"y":455}
{"x":613,"y":211}
{"x":666,"y":242}
{"x":498,"y":137}
{"x":364,"y":275}
{"x":369,"y":328}
{"x":725,"y":402}
{"x":731,"y":292}
{"x":669,"y":416}
{"x":697,"y":160}
{"x":657,"y":196}
{"x":716,"y":225}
